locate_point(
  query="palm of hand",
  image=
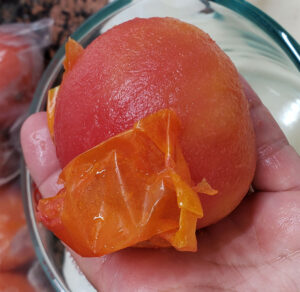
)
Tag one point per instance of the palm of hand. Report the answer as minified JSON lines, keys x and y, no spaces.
{"x":257,"y":247}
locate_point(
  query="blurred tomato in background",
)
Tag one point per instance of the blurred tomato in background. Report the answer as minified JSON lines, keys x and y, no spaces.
{"x":14,"y":282}
{"x":30,"y":33}
{"x":15,"y":245}
{"x":21,"y":65}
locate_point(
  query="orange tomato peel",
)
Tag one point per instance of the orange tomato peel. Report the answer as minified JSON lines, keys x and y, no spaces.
{"x":51,"y":101}
{"x":73,"y":51}
{"x":133,"y":189}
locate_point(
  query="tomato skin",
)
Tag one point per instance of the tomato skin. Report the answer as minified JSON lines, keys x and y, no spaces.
{"x":134,"y":189}
{"x":145,"y":65}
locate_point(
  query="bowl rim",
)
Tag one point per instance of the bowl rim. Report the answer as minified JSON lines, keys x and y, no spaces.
{"x":52,"y":69}
{"x":289,"y":45}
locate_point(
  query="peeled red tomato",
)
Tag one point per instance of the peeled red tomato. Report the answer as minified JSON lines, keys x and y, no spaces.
{"x":145,"y":65}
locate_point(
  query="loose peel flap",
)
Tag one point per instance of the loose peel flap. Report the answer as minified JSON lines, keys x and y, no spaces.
{"x":51,"y":102}
{"x":133,"y":189}
{"x":73,"y":51}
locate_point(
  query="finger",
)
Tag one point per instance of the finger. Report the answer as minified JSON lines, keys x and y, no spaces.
{"x":50,"y":187}
{"x":40,"y":155}
{"x":278,"y":164}
{"x":39,"y":150}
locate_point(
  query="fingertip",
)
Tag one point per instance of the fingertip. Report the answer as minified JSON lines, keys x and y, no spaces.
{"x":50,"y":187}
{"x":38,"y":148}
{"x":31,"y":123}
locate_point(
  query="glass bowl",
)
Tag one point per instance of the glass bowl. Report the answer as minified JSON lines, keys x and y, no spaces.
{"x":264,"y":53}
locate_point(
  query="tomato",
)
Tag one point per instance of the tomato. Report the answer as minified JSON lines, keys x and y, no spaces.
{"x":145,"y":65}
{"x":15,"y":244}
{"x":20,"y":69}
{"x":16,"y":282}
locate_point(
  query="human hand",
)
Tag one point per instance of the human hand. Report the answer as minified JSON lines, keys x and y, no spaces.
{"x":256,"y":247}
